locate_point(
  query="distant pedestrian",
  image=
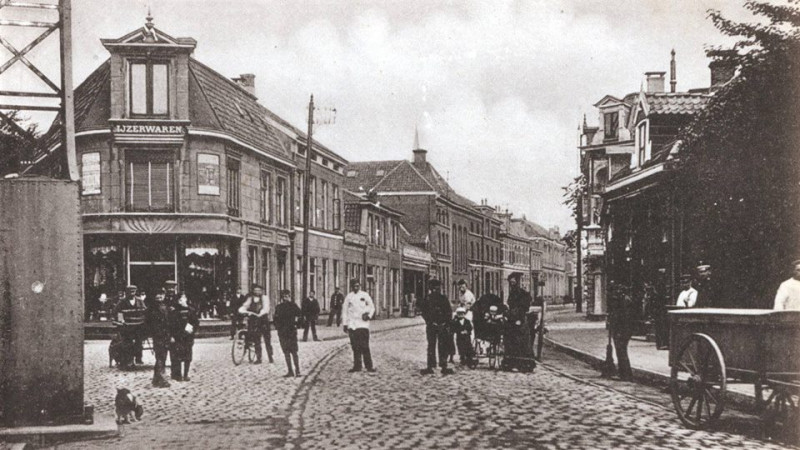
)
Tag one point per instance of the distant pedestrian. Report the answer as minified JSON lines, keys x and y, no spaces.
{"x":437,"y":313}
{"x":358,"y":310}
{"x":462,"y":328}
{"x":310,"y":315}
{"x":184,"y":324}
{"x":256,"y":309}
{"x":688,"y":296}
{"x":286,"y":315}
{"x":234,"y":303}
{"x":157,"y":322}
{"x":337,"y":301}
{"x":788,"y":295}
{"x":620,"y":319}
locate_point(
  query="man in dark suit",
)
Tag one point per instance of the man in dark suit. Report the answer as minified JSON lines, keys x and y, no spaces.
{"x":310,"y":316}
{"x":437,"y":312}
{"x":337,"y":300}
{"x":157,"y":322}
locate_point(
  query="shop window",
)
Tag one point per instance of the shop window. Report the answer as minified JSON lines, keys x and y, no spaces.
{"x":233,"y":178}
{"x":207,"y":174}
{"x":90,"y":173}
{"x":149,"y":181}
{"x":149,"y":88}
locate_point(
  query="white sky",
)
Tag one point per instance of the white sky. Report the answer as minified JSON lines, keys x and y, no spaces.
{"x":496,"y":88}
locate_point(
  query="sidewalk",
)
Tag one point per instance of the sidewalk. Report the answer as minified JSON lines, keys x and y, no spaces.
{"x":573,"y":334}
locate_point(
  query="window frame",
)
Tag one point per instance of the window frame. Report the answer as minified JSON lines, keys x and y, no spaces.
{"x":149,"y":92}
{"x":233,"y":202}
{"x":265,"y":197}
{"x":610,"y":132}
{"x":137,"y":156}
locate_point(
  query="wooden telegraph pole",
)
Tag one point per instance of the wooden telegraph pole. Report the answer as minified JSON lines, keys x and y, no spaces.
{"x":306,"y":188}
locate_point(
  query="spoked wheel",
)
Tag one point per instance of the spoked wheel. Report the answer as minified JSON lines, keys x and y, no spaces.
{"x":491,"y":353}
{"x":698,"y":382}
{"x":239,"y":347}
{"x":781,"y":412}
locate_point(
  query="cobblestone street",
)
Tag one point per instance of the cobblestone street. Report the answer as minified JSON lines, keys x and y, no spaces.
{"x":253,"y":406}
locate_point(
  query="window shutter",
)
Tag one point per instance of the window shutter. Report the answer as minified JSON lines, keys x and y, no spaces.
{"x":139,"y":191}
{"x":160,"y":191}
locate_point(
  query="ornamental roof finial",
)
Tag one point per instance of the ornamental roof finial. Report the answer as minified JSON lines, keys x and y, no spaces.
{"x":149,"y":18}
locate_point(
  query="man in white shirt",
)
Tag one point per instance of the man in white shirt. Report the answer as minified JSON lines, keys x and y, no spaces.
{"x":788,"y":296}
{"x":688,"y":296}
{"x":357,"y":311}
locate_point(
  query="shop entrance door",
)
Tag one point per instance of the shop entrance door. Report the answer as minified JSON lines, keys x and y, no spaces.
{"x":151,"y":278}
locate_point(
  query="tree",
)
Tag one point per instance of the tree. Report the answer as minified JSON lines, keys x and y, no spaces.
{"x":17,"y":142}
{"x":741,"y":177}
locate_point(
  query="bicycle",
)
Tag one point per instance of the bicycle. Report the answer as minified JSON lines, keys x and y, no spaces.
{"x":242,"y":345}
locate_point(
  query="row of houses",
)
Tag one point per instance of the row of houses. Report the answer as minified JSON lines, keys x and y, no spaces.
{"x":186,"y":176}
{"x":635,"y":217}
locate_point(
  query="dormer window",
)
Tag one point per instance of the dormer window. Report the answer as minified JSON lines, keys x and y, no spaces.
{"x":611,"y":125}
{"x":641,"y":142}
{"x":149,"y":88}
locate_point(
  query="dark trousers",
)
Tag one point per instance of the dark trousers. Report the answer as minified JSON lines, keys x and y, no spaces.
{"x":359,"y":341}
{"x":338,"y":314}
{"x":437,"y":334}
{"x":464,"y":347}
{"x":621,"y":339}
{"x":161,"y":349}
{"x":260,"y":328}
{"x":236,"y":323}
{"x":310,"y":322}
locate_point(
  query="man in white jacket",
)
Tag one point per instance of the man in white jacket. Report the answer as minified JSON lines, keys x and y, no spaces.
{"x":357,"y":311}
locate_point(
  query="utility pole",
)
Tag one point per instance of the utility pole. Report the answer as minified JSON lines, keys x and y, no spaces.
{"x":306,"y":187}
{"x":579,"y":255}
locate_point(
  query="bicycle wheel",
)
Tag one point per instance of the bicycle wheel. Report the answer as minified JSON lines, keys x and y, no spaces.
{"x":239,"y":347}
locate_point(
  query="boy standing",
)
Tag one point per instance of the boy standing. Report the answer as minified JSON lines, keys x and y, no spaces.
{"x":285,"y":318}
{"x":462,"y":328}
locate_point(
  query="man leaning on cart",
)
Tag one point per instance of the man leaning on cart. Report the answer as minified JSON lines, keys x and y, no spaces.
{"x":788,"y":296}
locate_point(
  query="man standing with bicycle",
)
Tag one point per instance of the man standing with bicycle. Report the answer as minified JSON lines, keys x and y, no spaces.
{"x":256,"y":309}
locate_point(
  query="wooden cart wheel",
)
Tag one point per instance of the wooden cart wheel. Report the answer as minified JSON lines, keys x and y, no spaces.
{"x":781,"y":412}
{"x":698,"y":382}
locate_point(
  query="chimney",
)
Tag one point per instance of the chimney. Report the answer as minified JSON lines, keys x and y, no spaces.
{"x":721,"y":71}
{"x":248,"y":82}
{"x":672,"y":77}
{"x":419,"y":153}
{"x":655,"y":82}
{"x":419,"y":156}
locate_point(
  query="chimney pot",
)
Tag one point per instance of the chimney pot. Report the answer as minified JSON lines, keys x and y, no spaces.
{"x":248,"y":82}
{"x":721,"y":72}
{"x":655,"y":82}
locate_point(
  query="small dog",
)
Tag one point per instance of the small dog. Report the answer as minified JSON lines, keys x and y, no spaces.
{"x":127,"y":408}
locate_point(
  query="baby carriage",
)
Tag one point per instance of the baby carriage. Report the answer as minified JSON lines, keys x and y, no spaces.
{"x":488,"y":321}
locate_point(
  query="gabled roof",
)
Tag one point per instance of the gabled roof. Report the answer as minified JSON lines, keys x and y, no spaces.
{"x":524,"y":227}
{"x":235,"y":111}
{"x":608,"y":100}
{"x":367,"y":174}
{"x":149,"y":35}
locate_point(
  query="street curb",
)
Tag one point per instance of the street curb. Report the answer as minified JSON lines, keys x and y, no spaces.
{"x":743,"y":402}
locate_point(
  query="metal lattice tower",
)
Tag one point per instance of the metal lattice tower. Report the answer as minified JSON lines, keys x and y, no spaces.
{"x":60,"y":95}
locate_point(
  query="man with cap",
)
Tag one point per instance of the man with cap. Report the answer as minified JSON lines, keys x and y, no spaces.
{"x":437,"y":313}
{"x":131,"y":305}
{"x":688,"y":296}
{"x":788,"y":295}
{"x":256,"y":309}
{"x":171,"y":292}
{"x":286,"y":314}
{"x":358,"y":310}
{"x":157,"y":322}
